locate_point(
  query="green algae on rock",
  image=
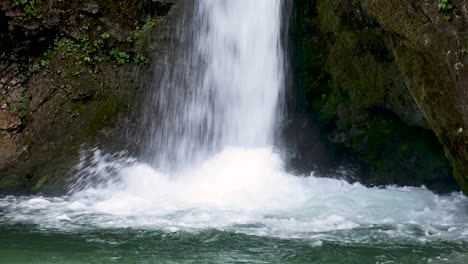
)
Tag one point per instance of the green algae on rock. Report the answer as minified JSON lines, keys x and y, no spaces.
{"x":357,"y":86}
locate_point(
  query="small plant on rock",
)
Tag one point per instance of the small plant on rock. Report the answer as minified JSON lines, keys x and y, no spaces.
{"x":141,"y":61}
{"x":28,"y":7}
{"x":21,"y":108}
{"x":120,"y":56}
{"x":445,"y":5}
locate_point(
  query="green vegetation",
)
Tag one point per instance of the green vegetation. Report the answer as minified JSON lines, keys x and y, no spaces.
{"x":79,"y":83}
{"x":445,"y":5}
{"x":142,"y":33}
{"x":121,"y":57}
{"x":141,"y":61}
{"x":28,"y":7}
{"x":21,"y":108}
{"x":347,"y":79}
{"x":95,"y":51}
{"x":90,"y":52}
{"x":90,"y":48}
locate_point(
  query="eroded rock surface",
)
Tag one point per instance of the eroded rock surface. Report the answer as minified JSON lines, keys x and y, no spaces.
{"x":67,"y":82}
{"x":9,"y":121}
{"x":430,"y":46}
{"x":387,"y":80}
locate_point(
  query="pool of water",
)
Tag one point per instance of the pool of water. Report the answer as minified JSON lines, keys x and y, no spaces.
{"x":240,"y":206}
{"x":30,"y":244}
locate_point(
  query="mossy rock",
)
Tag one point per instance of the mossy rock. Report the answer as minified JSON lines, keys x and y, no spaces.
{"x":355,"y":89}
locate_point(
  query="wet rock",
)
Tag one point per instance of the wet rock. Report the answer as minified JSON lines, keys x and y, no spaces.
{"x":91,"y":9}
{"x":159,"y":7}
{"x":13,"y":96}
{"x":9,"y":151}
{"x":9,"y":121}
{"x":428,"y":46}
{"x":379,"y":98}
{"x":65,"y":112}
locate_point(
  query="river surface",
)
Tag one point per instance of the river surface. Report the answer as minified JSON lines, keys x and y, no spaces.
{"x":238,"y":207}
{"x":210,"y":186}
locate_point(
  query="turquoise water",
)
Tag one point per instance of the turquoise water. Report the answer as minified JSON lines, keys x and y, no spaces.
{"x":238,"y":207}
{"x":221,"y":194}
{"x":264,"y":215}
{"x":30,"y":244}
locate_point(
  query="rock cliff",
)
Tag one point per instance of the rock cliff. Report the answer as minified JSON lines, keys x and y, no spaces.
{"x":384,"y":80}
{"x":66,"y":80}
{"x":384,"y":77}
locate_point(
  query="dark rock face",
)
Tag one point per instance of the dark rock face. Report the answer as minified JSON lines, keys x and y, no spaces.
{"x":159,"y":7}
{"x":66,"y":81}
{"x":352,"y":73}
{"x":380,"y":86}
{"x":430,"y":48}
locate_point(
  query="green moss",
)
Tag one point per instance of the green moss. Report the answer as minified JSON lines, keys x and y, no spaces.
{"x":329,"y":20}
{"x":143,"y":32}
{"x":22,"y":107}
{"x":42,"y":183}
{"x":349,"y":76}
{"x":400,"y":154}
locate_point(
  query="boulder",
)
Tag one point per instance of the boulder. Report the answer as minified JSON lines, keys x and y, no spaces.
{"x":9,"y":121}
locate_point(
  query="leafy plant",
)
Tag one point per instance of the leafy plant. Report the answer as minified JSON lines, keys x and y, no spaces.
{"x":95,"y":51}
{"x":75,"y":71}
{"x":445,"y":5}
{"x":66,"y":46}
{"x":84,"y":28}
{"x":120,"y":56}
{"x":44,"y":63}
{"x":22,"y":107}
{"x":105,"y":35}
{"x":141,"y":61}
{"x":28,"y":7}
{"x":23,"y":78}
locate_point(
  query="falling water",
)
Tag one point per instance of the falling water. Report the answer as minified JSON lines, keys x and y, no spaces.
{"x":223,"y":89}
{"x":212,"y":190}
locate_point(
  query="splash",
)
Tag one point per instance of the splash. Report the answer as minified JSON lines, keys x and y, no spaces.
{"x":211,"y":163}
{"x":245,"y":190}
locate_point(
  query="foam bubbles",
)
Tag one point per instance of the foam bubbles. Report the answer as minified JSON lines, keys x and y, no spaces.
{"x":246,"y":190}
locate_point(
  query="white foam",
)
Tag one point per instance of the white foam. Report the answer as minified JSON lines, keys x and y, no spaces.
{"x":225,"y":92}
{"x":246,"y":190}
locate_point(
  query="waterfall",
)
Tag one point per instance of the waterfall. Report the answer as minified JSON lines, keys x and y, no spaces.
{"x":210,"y":119}
{"x":223,"y":87}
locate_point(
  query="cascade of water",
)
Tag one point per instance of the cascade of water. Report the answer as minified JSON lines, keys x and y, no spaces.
{"x":220,"y":96}
{"x":223,"y":88}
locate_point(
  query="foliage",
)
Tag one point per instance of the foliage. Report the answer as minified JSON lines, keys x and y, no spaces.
{"x":28,"y":7}
{"x":22,"y":107}
{"x":90,"y":48}
{"x":92,"y":52}
{"x":142,"y":33}
{"x":95,"y":51}
{"x":141,"y":61}
{"x":445,"y":5}
{"x":66,"y":46}
{"x":120,"y":56}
